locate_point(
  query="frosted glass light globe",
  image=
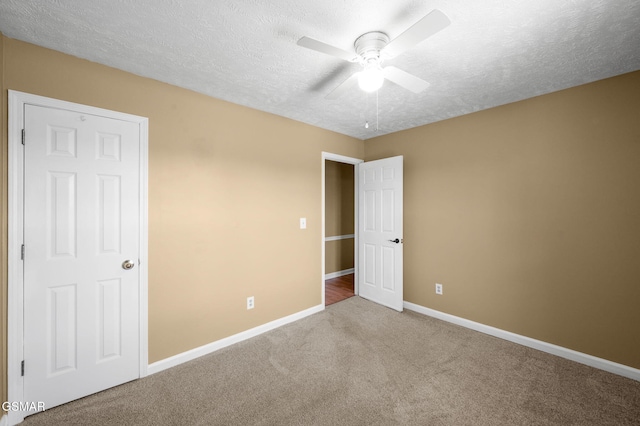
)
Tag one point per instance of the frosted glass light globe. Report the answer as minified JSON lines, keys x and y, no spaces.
{"x":370,"y":79}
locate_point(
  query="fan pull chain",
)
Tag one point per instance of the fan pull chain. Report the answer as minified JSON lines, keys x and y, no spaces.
{"x":366,"y":123}
{"x":377,"y":112}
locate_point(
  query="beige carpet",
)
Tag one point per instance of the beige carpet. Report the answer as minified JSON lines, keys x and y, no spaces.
{"x":357,"y":363}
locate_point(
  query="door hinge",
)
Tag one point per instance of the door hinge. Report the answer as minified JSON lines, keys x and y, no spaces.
{"x":22,"y":252}
{"x":22,"y":368}
{"x":22,"y":136}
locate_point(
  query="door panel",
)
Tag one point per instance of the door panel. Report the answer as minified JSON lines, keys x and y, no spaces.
{"x":109,"y":329}
{"x":81,"y":221}
{"x":388,"y":268}
{"x":61,"y":213}
{"x":380,"y":224}
{"x":61,"y":315}
{"x":109,"y":210}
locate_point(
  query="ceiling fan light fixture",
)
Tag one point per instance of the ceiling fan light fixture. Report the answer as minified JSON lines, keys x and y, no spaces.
{"x":374,"y":47}
{"x":370,"y":79}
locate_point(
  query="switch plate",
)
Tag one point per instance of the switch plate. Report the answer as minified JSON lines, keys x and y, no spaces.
{"x":250,"y":302}
{"x":303,"y":223}
{"x":438,"y":288}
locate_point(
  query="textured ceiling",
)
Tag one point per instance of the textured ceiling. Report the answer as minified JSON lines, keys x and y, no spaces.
{"x":245,"y":51}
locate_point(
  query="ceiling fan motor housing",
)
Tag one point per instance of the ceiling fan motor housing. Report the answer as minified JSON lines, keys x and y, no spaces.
{"x":369,"y":45}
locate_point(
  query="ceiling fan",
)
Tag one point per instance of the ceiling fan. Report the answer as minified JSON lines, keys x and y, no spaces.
{"x":373,"y":47}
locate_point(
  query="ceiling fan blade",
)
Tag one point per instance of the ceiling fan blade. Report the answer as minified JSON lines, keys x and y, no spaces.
{"x":327,"y":49}
{"x":346,"y":85}
{"x":404,"y":79}
{"x":421,"y":30}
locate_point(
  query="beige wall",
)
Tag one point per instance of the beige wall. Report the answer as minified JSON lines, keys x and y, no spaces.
{"x":224,"y":198}
{"x":339,"y":255}
{"x":339,"y":199}
{"x":529,"y":215}
{"x":339,"y":215}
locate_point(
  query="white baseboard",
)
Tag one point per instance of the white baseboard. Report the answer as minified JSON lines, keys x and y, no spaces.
{"x":227,"y":341}
{"x":339,"y":273}
{"x":582,"y":358}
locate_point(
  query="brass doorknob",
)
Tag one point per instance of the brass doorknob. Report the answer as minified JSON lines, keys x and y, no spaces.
{"x":127,"y":264}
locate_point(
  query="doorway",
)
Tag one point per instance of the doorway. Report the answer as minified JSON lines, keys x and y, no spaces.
{"x":339,"y":225}
{"x":378,"y":226}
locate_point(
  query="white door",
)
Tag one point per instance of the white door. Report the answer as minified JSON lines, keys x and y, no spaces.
{"x":81,"y":223}
{"x":380,"y":231}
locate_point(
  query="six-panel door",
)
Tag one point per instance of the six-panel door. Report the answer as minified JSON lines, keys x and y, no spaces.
{"x":81,"y":223}
{"x":380,"y":231}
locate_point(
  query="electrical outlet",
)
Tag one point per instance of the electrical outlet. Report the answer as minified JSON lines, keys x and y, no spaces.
{"x":250,"y":302}
{"x":438,"y":288}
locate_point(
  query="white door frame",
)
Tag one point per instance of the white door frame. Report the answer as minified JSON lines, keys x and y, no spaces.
{"x":15,"y":337}
{"x":348,"y":160}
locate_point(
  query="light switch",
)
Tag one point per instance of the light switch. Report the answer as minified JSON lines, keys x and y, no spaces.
{"x":303,"y":223}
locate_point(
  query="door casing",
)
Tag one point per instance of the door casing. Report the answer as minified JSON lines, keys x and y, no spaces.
{"x":15,"y":337}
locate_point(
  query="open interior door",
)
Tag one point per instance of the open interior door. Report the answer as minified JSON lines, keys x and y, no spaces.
{"x":380,"y":231}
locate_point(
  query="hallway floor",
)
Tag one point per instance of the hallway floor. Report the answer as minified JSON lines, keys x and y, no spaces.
{"x":338,"y":289}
